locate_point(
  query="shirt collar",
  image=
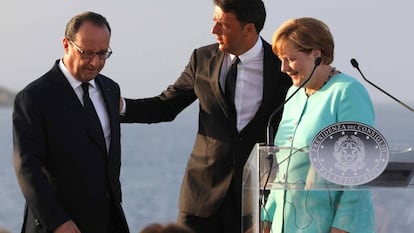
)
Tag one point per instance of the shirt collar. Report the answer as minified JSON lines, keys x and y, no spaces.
{"x":250,"y":54}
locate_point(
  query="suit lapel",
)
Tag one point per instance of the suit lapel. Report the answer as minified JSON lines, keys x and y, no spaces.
{"x":109,"y":96}
{"x":269,"y":79}
{"x":215,"y":66}
{"x":71,"y":100}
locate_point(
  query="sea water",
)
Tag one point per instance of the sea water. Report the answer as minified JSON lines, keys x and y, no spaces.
{"x":153,"y":161}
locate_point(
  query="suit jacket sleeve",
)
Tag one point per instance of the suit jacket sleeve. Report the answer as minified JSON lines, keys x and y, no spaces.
{"x":29,"y":158}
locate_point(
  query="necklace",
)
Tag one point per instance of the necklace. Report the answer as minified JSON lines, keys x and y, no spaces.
{"x":331,"y":73}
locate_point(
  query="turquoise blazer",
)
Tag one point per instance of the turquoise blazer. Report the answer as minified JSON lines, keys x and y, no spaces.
{"x":342,"y":98}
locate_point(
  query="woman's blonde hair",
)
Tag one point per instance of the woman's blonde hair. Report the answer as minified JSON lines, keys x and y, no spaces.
{"x":306,"y":34}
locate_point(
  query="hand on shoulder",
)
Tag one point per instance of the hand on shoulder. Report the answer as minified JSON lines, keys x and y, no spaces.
{"x":67,"y":227}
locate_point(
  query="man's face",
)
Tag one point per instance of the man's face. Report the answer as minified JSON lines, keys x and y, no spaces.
{"x":231,"y":35}
{"x":90,"y":38}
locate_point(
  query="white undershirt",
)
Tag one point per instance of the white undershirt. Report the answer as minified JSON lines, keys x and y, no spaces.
{"x":249,"y":84}
{"x":97,"y":100}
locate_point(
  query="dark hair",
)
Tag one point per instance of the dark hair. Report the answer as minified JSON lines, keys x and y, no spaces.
{"x":152,"y":228}
{"x":74,"y":24}
{"x":168,"y":228}
{"x":246,"y":11}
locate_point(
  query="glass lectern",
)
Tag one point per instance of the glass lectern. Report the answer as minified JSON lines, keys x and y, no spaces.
{"x":391,"y":193}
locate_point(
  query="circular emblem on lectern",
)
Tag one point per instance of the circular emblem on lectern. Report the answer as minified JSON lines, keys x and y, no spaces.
{"x":349,"y":153}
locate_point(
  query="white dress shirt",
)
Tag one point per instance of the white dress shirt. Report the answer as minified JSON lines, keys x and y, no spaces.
{"x":97,"y":100}
{"x":249,"y":84}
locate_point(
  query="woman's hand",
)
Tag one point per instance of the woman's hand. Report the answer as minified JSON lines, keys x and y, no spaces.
{"x":67,"y":227}
{"x":266,"y":227}
{"x":336,"y":230}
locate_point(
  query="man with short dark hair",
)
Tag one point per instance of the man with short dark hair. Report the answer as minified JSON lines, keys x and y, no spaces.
{"x":232,"y":115}
{"x":67,"y":151}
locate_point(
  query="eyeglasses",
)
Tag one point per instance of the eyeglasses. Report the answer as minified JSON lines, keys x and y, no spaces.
{"x":91,"y":54}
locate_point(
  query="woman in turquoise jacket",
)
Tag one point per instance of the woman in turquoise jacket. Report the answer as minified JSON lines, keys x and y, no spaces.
{"x":330,"y":96}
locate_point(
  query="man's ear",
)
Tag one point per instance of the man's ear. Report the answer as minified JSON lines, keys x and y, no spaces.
{"x":65,"y":43}
{"x":249,"y":28}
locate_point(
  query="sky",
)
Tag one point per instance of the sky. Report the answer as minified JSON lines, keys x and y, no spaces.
{"x":153,"y":40}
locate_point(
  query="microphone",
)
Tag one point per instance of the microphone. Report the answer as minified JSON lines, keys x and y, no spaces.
{"x":355,"y":64}
{"x":269,"y":129}
{"x":269,"y":135}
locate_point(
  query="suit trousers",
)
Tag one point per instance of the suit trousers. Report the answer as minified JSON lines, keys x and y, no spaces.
{"x":226,"y":220}
{"x":115,"y":224}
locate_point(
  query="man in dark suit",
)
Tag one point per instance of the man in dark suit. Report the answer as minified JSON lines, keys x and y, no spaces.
{"x":210,"y":198}
{"x":67,"y":138}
